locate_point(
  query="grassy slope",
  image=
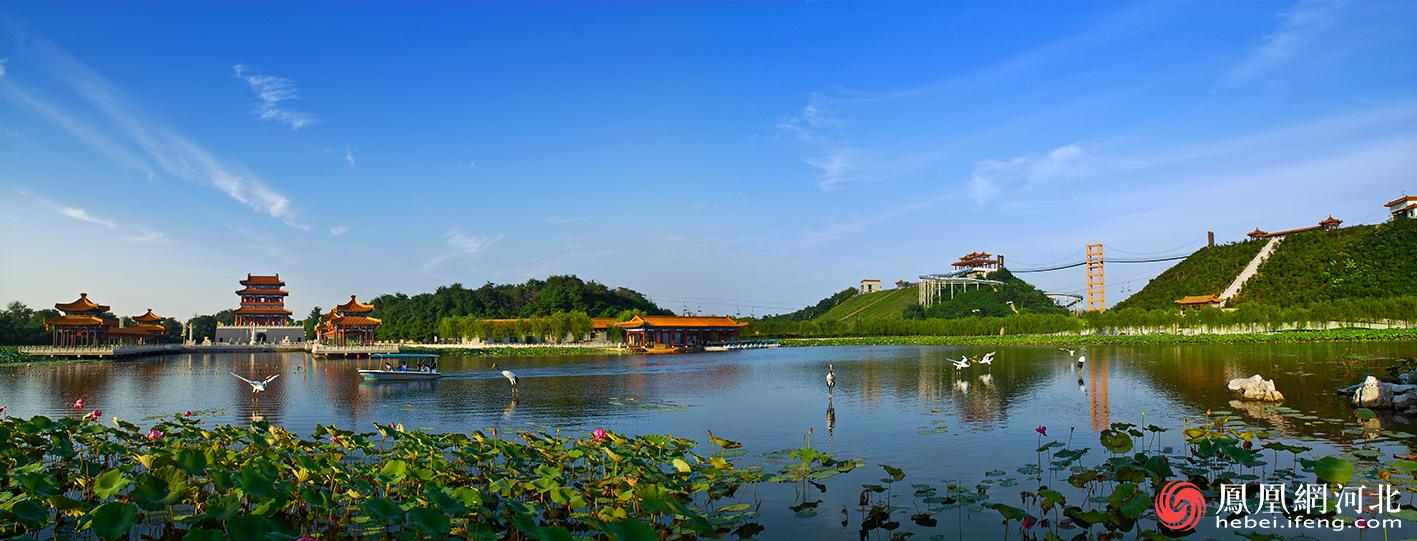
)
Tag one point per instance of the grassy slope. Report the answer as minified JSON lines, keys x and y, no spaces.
{"x":890,"y":304}
{"x":1347,"y":263}
{"x":1208,"y":271}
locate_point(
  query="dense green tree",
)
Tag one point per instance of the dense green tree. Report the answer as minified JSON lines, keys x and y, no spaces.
{"x":312,"y":321}
{"x":822,"y":307}
{"x":419,"y":317}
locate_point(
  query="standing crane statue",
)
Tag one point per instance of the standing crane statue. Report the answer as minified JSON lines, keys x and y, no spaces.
{"x":831,"y":378}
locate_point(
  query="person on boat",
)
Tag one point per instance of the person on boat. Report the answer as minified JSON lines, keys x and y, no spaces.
{"x":388,"y":367}
{"x":403,"y":366}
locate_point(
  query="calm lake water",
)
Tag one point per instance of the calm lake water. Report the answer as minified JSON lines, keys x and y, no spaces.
{"x":768,"y":399}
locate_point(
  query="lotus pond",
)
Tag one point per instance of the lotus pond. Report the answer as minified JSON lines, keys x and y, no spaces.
{"x":905,"y":445}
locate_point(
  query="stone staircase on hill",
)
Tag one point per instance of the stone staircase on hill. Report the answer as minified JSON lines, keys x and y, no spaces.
{"x":1250,"y":269}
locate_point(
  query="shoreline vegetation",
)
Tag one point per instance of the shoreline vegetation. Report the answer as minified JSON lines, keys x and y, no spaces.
{"x":76,"y":477}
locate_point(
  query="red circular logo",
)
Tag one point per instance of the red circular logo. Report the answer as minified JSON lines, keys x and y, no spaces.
{"x":1180,"y":505}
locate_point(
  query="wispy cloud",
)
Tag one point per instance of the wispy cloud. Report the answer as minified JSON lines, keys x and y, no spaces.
{"x":2,"y":65}
{"x":349,"y":155}
{"x":558,"y":220}
{"x":461,"y":244}
{"x":147,"y":237}
{"x":1297,"y":29}
{"x":173,"y":152}
{"x":336,"y":231}
{"x":81,"y":214}
{"x":272,"y":90}
{"x":992,"y":175}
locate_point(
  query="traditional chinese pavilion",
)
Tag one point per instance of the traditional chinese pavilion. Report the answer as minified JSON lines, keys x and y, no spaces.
{"x":262,"y":302}
{"x":82,"y":324}
{"x":679,"y":331}
{"x":1194,"y":302}
{"x":86,"y":323}
{"x":978,"y":261}
{"x":349,"y":324}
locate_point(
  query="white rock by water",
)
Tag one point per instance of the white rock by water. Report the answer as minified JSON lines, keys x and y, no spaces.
{"x":1373,"y":394}
{"x":1256,"y":388}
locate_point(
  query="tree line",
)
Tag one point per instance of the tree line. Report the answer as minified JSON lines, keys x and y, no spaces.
{"x":1256,"y":317}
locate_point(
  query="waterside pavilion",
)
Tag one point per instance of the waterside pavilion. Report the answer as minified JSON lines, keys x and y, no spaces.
{"x":349,"y":324}
{"x":87,"y":323}
{"x":679,"y":331}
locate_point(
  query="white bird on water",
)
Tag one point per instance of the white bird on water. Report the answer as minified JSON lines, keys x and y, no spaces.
{"x":509,"y":375}
{"x":1071,"y":352}
{"x":988,"y":358}
{"x":831,"y":377}
{"x":1081,"y":359}
{"x":257,"y":386}
{"x":963,"y":362}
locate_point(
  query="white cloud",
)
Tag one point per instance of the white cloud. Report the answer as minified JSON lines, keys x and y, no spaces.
{"x":991,"y":176}
{"x":461,"y":244}
{"x":349,"y":155}
{"x":273,"y":90}
{"x":1297,"y":30}
{"x":80,"y":214}
{"x":173,"y":152}
{"x":558,"y":220}
{"x":336,"y":231}
{"x":2,"y":65}
{"x":148,"y":236}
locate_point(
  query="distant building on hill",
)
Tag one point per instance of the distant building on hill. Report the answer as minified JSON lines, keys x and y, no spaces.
{"x":902,"y":284}
{"x":1330,"y":223}
{"x":1403,"y":208}
{"x":978,"y":263}
{"x":870,"y":286}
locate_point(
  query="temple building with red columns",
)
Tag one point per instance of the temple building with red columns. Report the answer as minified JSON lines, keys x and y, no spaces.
{"x":679,"y":331}
{"x":87,"y":323}
{"x":349,"y":324}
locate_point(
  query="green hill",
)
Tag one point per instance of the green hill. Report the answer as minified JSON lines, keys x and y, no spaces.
{"x":1365,"y":261}
{"x":1208,"y":271}
{"x":886,"y":304}
{"x":990,"y":301}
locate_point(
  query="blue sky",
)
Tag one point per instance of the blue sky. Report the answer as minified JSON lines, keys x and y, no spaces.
{"x":722,"y":157}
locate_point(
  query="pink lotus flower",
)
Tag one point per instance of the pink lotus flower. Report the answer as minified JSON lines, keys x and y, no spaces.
{"x":306,"y":539}
{"x":1042,"y":430}
{"x":334,"y":438}
{"x":94,"y":415}
{"x":600,"y":434}
{"x":1028,"y":523}
{"x":188,"y":414}
{"x":78,"y":403}
{"x":154,"y":434}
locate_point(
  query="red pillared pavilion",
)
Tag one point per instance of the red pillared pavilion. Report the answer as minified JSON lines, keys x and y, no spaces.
{"x":262,"y":302}
{"x":679,"y":331}
{"x":87,"y":323}
{"x":977,"y":261}
{"x":349,"y":324}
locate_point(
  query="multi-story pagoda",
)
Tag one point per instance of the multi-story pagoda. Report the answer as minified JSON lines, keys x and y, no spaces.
{"x":262,"y":302}
{"x":262,"y":317}
{"x":349,"y":324}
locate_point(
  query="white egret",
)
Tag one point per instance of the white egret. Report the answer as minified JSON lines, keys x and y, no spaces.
{"x":257,"y":386}
{"x":963,"y":362}
{"x":509,"y":375}
{"x":1071,"y":352}
{"x":988,"y":358}
{"x":831,"y":376}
